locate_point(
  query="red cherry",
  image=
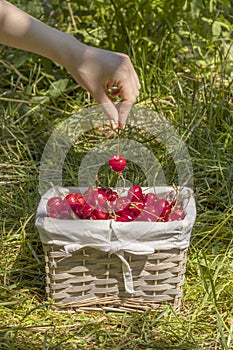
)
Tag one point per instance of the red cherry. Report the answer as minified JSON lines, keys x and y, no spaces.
{"x":87,"y":210}
{"x":76,"y":209}
{"x":117,"y":163}
{"x":152,"y":210}
{"x":100,"y":193}
{"x":100,"y":215}
{"x":150,"y":198}
{"x":78,"y":205}
{"x":58,"y":208}
{"x":97,"y":197}
{"x":79,"y":214}
{"x":72,"y":198}
{"x":121,"y":204}
{"x":135,"y":192}
{"x":82,"y":209}
{"x":55,"y":204}
{"x":91,"y":217}
{"x":136,"y":207}
{"x":125,"y":217}
{"x":163,"y":207}
{"x":112,"y":195}
{"x":147,"y":217}
{"x":177,"y":214}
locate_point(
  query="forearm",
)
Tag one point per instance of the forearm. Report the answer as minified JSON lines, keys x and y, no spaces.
{"x":21,"y":31}
{"x":94,"y":69}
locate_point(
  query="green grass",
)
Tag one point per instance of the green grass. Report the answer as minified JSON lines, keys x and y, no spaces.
{"x":183,"y":57}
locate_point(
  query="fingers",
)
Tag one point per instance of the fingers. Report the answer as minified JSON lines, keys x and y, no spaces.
{"x":129,"y":93}
{"x":127,"y":86}
{"x":123,"y":112}
{"x":111,"y":112}
{"x":117,"y":113}
{"x":111,"y":71}
{"x":108,"y":107}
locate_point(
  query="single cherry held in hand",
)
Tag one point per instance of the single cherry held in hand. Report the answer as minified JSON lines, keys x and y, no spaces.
{"x":117,"y":163}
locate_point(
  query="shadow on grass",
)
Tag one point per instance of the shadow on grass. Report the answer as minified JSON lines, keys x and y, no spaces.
{"x":89,"y":338}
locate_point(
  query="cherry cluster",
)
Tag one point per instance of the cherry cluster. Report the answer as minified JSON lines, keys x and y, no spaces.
{"x":100,"y":203}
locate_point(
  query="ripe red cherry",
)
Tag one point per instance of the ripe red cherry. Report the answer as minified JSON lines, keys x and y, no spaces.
{"x":86,"y":211}
{"x":125,"y":216}
{"x":146,"y":216}
{"x":76,"y":201}
{"x":57,"y":208}
{"x":135,"y":193}
{"x":97,"y":197}
{"x":102,"y":193}
{"x":112,"y":195}
{"x":152,"y":210}
{"x":55,"y":204}
{"x":163,"y":207}
{"x":117,"y":163}
{"x":177,"y":214}
{"x":91,"y":217}
{"x":74,"y":198}
{"x":150,"y":198}
{"x":100,"y":215}
{"x":121,"y":204}
{"x":136,"y":207}
{"x":97,"y":192}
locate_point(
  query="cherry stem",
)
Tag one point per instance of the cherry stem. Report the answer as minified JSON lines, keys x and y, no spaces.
{"x":120,"y":177}
{"x":97,"y":180}
{"x":57,"y":190}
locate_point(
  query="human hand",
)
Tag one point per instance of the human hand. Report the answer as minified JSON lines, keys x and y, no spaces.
{"x":105,"y":74}
{"x":96,"y":70}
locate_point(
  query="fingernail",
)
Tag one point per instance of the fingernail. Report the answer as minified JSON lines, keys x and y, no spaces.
{"x":113,"y":125}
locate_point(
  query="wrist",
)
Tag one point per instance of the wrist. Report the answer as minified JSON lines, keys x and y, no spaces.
{"x":71,"y":54}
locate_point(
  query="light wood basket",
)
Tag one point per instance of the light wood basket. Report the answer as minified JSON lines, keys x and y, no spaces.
{"x":89,"y":280}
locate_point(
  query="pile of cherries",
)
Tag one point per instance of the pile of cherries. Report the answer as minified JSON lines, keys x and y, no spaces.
{"x":100,"y":203}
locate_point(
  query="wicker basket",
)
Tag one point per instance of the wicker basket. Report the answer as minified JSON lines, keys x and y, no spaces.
{"x":89,"y":279}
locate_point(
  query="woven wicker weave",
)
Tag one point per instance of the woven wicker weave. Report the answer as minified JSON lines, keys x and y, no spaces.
{"x":89,"y":280}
